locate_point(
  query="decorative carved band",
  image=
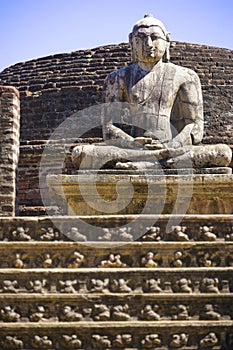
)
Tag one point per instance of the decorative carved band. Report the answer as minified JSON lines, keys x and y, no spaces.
{"x":147,"y":337}
{"x":133,"y":281}
{"x":147,"y":255}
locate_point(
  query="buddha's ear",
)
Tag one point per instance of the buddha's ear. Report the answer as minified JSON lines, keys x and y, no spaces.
{"x":130,"y":39}
{"x":166,"y":56}
{"x":168,"y":36}
{"x":132,"y":48}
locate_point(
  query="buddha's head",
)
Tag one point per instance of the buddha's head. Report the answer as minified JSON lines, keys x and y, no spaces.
{"x":149,"y":40}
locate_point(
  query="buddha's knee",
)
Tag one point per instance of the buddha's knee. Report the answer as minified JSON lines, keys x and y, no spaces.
{"x":82,"y":155}
{"x":222,"y":154}
{"x":212,"y":155}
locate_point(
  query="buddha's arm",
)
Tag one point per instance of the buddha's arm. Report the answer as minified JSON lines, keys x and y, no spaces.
{"x":190,"y":110}
{"x":113,"y":91}
{"x":116,"y":133}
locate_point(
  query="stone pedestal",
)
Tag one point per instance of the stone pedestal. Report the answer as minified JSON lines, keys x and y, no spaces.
{"x":121,"y":192}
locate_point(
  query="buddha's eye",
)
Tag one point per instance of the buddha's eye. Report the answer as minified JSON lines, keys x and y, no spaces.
{"x":154,"y":37}
{"x":140,"y":37}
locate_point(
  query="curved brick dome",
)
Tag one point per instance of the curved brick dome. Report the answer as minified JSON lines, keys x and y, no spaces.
{"x":53,"y":87}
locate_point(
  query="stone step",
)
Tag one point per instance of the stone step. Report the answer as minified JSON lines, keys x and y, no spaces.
{"x":161,"y":254}
{"x":59,"y":228}
{"x":104,"y":335}
{"x":134,"y":281}
{"x":170,"y":289}
{"x":96,"y":307}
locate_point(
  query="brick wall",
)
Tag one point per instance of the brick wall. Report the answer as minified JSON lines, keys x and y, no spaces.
{"x":9,"y":148}
{"x":54,"y":87}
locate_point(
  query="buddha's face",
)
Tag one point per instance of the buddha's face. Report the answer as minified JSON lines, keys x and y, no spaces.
{"x":149,"y":44}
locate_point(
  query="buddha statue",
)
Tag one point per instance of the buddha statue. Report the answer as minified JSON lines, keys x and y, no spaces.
{"x":166,"y":100}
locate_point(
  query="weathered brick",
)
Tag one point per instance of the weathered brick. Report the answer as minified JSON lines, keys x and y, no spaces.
{"x":9,"y":151}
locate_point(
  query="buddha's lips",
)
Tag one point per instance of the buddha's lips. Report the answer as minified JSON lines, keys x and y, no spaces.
{"x":150,"y":52}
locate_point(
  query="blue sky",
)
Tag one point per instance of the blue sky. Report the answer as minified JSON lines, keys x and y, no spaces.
{"x":36,"y":28}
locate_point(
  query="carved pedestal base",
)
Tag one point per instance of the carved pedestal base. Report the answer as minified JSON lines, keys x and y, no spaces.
{"x":124,"y":192}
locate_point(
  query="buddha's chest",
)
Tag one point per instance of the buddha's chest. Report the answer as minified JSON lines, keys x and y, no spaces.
{"x":155,"y":90}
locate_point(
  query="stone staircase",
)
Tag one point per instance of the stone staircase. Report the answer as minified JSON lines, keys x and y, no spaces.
{"x":169,"y":289}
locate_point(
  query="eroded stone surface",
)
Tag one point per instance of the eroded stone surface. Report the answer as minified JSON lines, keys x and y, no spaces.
{"x":165,"y":111}
{"x":197,"y":194}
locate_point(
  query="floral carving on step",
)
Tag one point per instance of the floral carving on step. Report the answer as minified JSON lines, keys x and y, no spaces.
{"x":9,"y":286}
{"x":151,"y":260}
{"x":37,"y":286}
{"x":122,"y":234}
{"x":76,"y":260}
{"x":209,"y":341}
{"x":178,"y":233}
{"x":210,"y":285}
{"x":120,"y":286}
{"x":98,"y":285}
{"x":183,"y":285}
{"x":113,"y":261}
{"x":68,"y":286}
{"x":209,"y":313}
{"x":101,"y":312}
{"x":70,"y":314}
{"x":152,"y":285}
{"x":152,"y":235}
{"x":19,"y":261}
{"x":20,"y":234}
{"x":49,"y":234}
{"x":179,"y":340}
{"x":150,"y":313}
{"x":101,"y":341}
{"x":208,"y":259}
{"x":122,"y":341}
{"x":12,"y":343}
{"x":75,"y":235}
{"x":42,"y":342}
{"x":71,"y":341}
{"x":8,"y":314}
{"x":207,"y":234}
{"x":180,"y":312}
{"x":229,"y":235}
{"x":180,"y":259}
{"x":120,"y":313}
{"x":37,"y":314}
{"x":151,"y":341}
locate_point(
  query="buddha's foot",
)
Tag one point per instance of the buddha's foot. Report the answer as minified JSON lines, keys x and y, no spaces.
{"x":137,"y":165}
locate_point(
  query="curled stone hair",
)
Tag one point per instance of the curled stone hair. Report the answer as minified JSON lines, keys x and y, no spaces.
{"x":149,"y":21}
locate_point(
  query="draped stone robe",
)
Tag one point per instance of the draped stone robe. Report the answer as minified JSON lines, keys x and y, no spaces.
{"x":172,"y":95}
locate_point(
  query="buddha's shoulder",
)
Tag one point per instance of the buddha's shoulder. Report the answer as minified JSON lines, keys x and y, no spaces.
{"x":123,"y":72}
{"x":180,"y":70}
{"x":133,"y":69}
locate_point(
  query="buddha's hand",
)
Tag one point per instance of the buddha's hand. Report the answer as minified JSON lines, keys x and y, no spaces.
{"x":175,"y":143}
{"x":166,"y":152}
{"x":143,"y":140}
{"x":154,"y":145}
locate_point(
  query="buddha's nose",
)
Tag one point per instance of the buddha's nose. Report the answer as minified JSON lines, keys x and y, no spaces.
{"x":149,"y":41}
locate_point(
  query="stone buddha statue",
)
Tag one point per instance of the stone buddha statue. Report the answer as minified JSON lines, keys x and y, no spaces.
{"x":167,"y":99}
